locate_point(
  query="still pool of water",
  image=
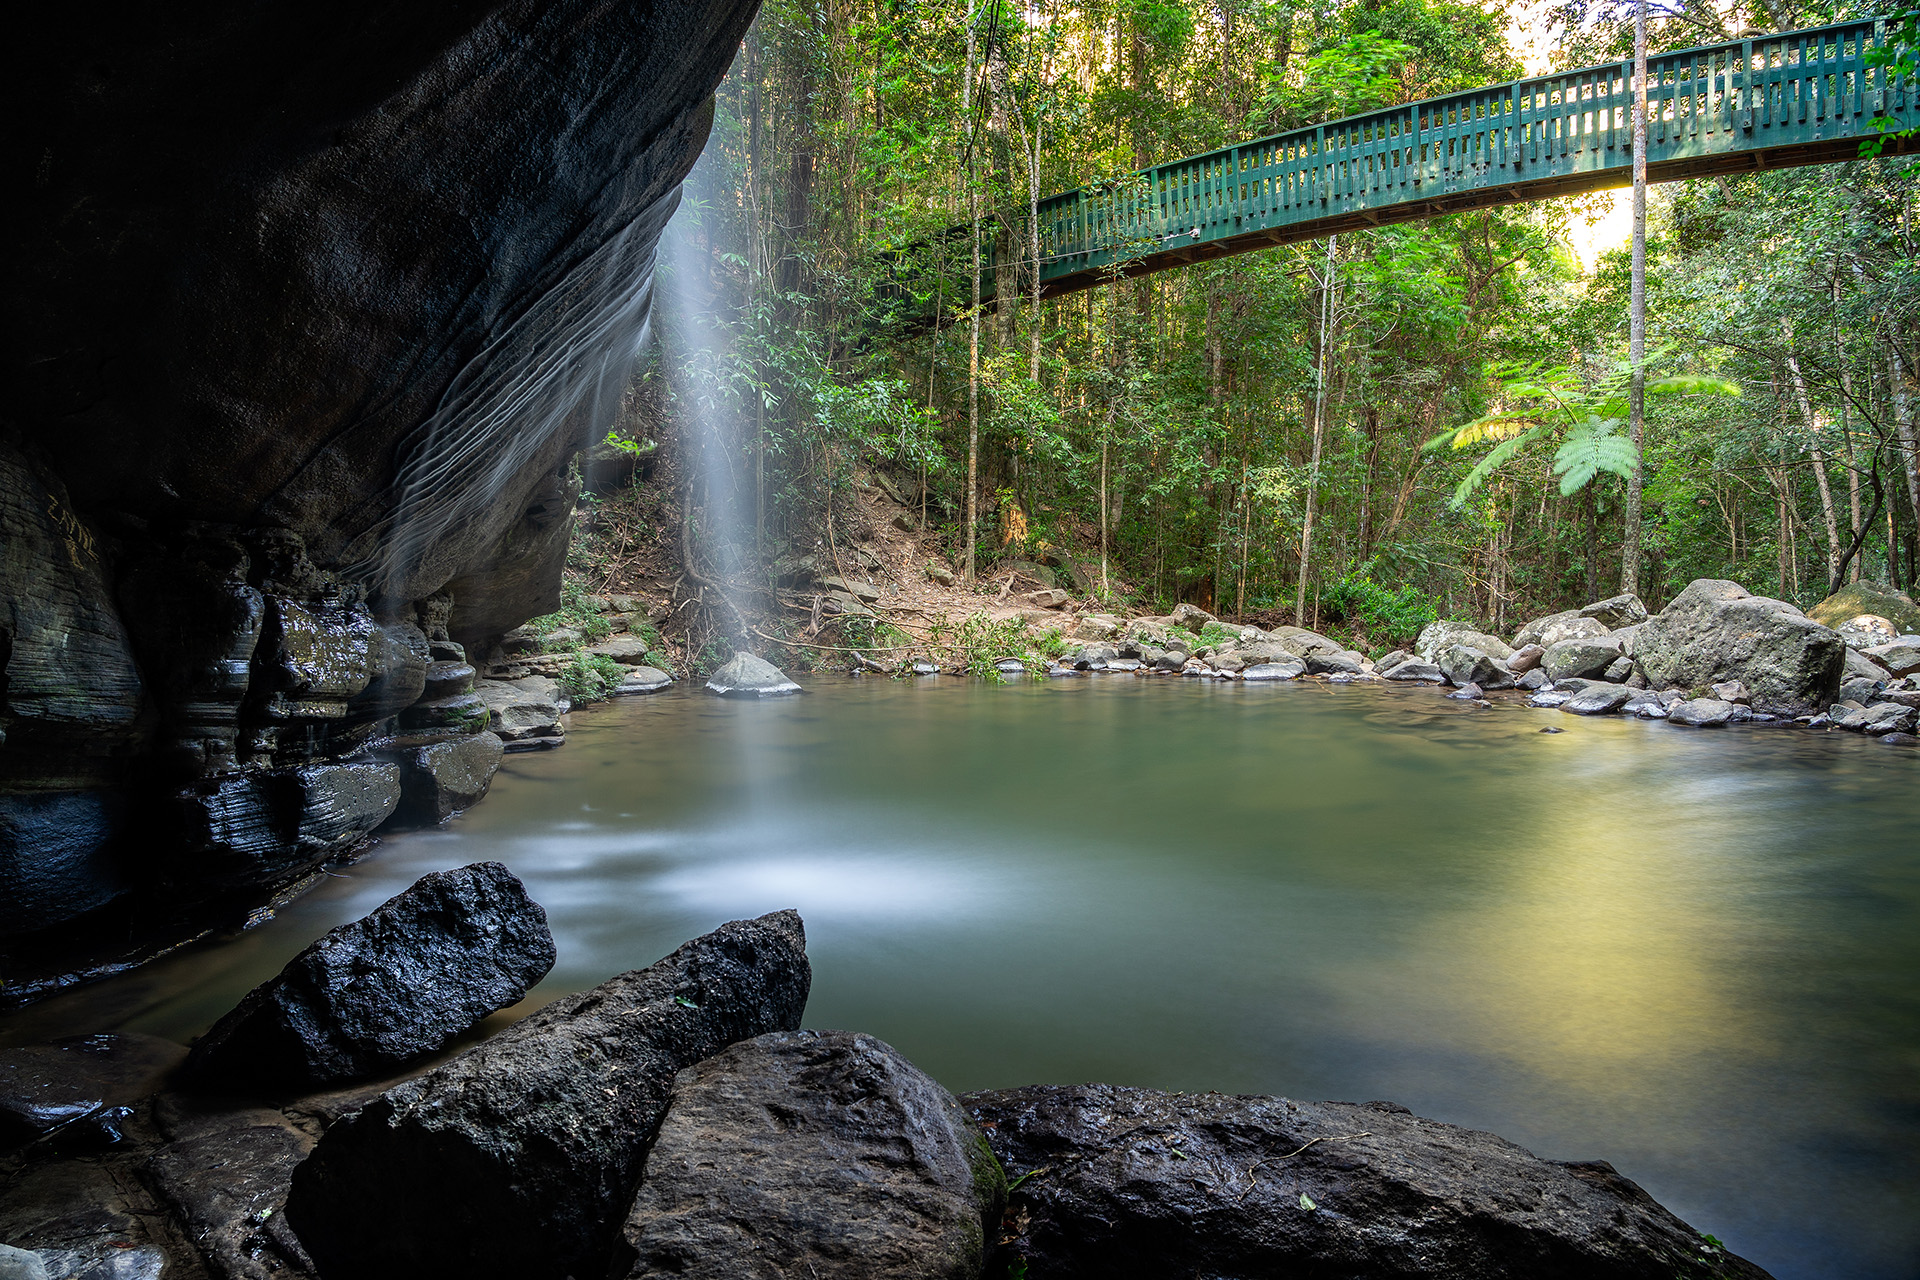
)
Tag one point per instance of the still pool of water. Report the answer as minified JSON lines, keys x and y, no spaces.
{"x":1693,"y":954}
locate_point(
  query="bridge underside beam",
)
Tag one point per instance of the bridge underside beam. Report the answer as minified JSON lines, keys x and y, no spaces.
{"x":1521,"y":191}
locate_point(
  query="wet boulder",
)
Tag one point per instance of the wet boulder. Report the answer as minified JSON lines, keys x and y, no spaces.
{"x":746,"y":676}
{"x":439,"y":781}
{"x":518,"y":1159}
{"x":1134,"y":1184}
{"x":372,"y":996}
{"x":1389,"y":660}
{"x":818,"y":1154}
{"x":1716,"y":630}
{"x":1337,"y":662}
{"x":260,"y":829}
{"x":1416,"y":671}
{"x":1584,"y":657}
{"x":1290,"y":669}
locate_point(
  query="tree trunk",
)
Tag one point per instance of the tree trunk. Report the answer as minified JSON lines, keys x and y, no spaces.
{"x":1819,"y":468}
{"x":1637,"y":330}
{"x":1319,"y":434}
{"x":971,"y":177}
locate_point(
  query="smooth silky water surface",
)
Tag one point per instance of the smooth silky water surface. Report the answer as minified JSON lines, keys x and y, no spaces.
{"x":1694,"y":954}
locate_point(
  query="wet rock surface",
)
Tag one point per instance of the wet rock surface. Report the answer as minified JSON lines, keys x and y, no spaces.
{"x":526,"y":714}
{"x":519,"y":1158}
{"x":374,"y":995}
{"x":814,"y":1153}
{"x":1123,"y":1183}
{"x":46,"y":1087}
{"x":439,"y":781}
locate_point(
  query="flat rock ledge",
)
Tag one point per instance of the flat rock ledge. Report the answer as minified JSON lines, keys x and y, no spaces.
{"x":1115,"y":1184}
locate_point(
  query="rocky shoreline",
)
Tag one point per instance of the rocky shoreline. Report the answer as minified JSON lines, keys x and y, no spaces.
{"x":677,"y":1121}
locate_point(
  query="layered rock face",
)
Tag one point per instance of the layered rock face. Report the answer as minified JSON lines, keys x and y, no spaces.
{"x":309,"y":312}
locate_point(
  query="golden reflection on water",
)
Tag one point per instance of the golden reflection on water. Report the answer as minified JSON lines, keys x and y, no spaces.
{"x":1598,"y":958}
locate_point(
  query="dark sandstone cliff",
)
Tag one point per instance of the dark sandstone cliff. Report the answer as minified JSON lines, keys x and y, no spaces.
{"x":308,"y":312}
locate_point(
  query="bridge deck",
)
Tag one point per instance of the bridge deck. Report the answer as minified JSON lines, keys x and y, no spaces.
{"x":1773,"y":102}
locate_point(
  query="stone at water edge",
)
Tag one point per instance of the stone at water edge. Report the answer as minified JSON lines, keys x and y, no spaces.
{"x":815,"y":1154}
{"x":1901,"y":658}
{"x":642,"y":680}
{"x":454,"y":1173}
{"x":370,"y":997}
{"x":526,"y":714}
{"x":1464,"y":665}
{"x":1702,"y":713}
{"x":1875,"y":719}
{"x":745,"y":676}
{"x":1134,"y":1184}
{"x":1414,"y":670}
{"x":1388,"y":661}
{"x":1583,"y":657}
{"x":1717,"y":630}
{"x":1598,"y":698}
{"x":439,"y":781}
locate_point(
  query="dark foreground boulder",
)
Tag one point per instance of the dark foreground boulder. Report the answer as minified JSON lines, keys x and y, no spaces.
{"x":1123,"y":1183}
{"x":371,"y":996}
{"x":519,"y":1158}
{"x":822,"y":1154}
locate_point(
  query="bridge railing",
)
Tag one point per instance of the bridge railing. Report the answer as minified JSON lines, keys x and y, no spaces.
{"x":1745,"y":95}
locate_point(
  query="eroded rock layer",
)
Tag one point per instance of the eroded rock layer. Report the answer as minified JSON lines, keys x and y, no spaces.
{"x":308,"y":313}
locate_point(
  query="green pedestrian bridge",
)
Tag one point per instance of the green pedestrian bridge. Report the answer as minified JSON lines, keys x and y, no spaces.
{"x":1770,"y":102}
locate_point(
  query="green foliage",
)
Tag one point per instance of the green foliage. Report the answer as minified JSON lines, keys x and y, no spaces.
{"x":574,"y":614}
{"x":1385,"y":614}
{"x":979,"y":642}
{"x":590,"y":677}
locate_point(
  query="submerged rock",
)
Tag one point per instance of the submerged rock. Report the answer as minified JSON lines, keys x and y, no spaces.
{"x":518,"y":1159}
{"x":374,"y":995}
{"x":745,"y":676}
{"x":1133,"y":1184}
{"x":814,"y":1154}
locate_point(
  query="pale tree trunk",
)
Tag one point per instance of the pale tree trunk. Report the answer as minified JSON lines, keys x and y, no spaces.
{"x":1819,"y":457}
{"x":1319,"y":435}
{"x":971,"y":178}
{"x":1851,"y":456}
{"x":1903,"y":417}
{"x":1006,"y":289}
{"x":1637,"y":330}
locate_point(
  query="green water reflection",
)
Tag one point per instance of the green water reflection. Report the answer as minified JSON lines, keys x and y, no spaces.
{"x":1692,"y":954}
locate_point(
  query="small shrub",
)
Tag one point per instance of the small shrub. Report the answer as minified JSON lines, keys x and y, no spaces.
{"x":590,"y":677}
{"x":1392,"y":613}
